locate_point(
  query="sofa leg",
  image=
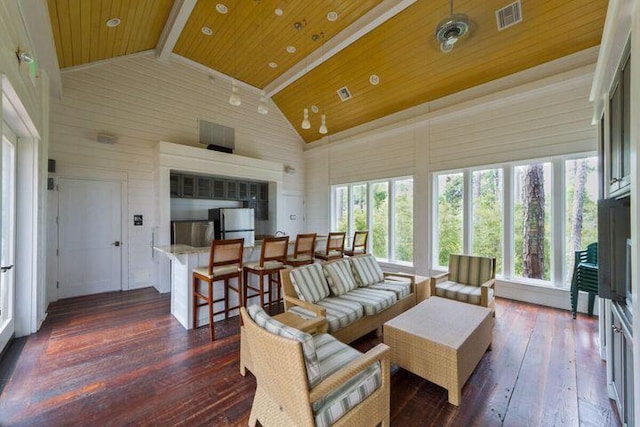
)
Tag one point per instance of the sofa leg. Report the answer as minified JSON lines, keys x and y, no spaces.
{"x":379,"y":332}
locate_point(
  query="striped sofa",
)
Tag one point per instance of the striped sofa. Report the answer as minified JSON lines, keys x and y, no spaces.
{"x":353,"y":294}
{"x":470,"y":279}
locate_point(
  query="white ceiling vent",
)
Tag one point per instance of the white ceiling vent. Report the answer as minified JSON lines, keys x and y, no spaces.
{"x":344,"y":93}
{"x":509,"y":15}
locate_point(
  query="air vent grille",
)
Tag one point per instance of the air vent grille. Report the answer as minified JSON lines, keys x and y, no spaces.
{"x":214,"y":134}
{"x":344,"y":93}
{"x":509,"y":15}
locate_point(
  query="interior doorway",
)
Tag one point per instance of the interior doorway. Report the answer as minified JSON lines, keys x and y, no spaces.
{"x":7,"y":237}
{"x":89,"y":237}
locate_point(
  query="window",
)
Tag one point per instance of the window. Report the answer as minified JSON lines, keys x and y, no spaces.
{"x":385,"y":208}
{"x":580,"y":199}
{"x":450,"y":198}
{"x":531,"y":217}
{"x":487,"y":207}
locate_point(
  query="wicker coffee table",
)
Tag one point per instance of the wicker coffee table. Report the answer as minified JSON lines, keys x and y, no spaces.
{"x":440,"y":340}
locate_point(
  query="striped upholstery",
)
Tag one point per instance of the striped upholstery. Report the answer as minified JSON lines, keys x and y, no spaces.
{"x":339,"y":277}
{"x":311,"y":361}
{"x":401,"y":289}
{"x":470,"y":270}
{"x":366,"y":270}
{"x":340,"y":312}
{"x":333,"y":355}
{"x":373,"y":301}
{"x":310,"y":283}
{"x":461,"y":292}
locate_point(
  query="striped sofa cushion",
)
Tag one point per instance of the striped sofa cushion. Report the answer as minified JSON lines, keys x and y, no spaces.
{"x":470,"y":270}
{"x":309,"y":283}
{"x":373,"y":301}
{"x":366,"y":270}
{"x":340,"y":312}
{"x":401,"y":289}
{"x":311,"y":362}
{"x":333,"y":355}
{"x":461,"y":292}
{"x":339,"y":277}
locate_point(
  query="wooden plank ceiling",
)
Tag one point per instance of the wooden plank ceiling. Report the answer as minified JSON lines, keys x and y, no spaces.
{"x":402,"y":51}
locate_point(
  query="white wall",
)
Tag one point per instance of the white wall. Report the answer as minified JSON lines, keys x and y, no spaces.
{"x":141,"y":101}
{"x":545,"y":117}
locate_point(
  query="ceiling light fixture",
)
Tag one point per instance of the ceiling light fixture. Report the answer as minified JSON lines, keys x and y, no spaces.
{"x":222,"y":8}
{"x":25,"y":56}
{"x":234,"y":99}
{"x":113,"y":22}
{"x":451,"y":29}
{"x":323,"y":125}
{"x":207,"y":31}
{"x":374,"y":79}
{"x":278,"y":12}
{"x":263,"y":107}
{"x":332,"y":16}
{"x":273,"y":65}
{"x":306,"y":124}
{"x":314,"y":109}
{"x":291,"y":49}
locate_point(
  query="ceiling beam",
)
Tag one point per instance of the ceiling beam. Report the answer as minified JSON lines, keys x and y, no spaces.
{"x":358,"y":29}
{"x":178,"y":18}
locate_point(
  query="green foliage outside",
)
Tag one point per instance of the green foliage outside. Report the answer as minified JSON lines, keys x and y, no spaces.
{"x":450,"y":216}
{"x":404,"y":221}
{"x":380,"y":230}
{"x":488,"y":215}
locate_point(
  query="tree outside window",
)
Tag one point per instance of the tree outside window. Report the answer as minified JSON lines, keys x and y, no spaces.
{"x":450,"y":216}
{"x":404,"y":220}
{"x":380,"y":219}
{"x":342,"y":208}
{"x":488,"y":226}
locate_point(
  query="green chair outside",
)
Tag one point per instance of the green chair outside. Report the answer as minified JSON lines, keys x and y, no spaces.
{"x":585,"y":277}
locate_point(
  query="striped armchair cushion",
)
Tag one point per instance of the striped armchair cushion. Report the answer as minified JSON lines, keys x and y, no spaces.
{"x":339,"y":313}
{"x":339,"y":277}
{"x":268,"y":323}
{"x":310,"y":283}
{"x":471,"y":270}
{"x":366,"y":270}
{"x":333,"y":355}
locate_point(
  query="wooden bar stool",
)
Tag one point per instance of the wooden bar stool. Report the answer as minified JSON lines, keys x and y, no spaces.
{"x":335,"y":247}
{"x":272,"y":259}
{"x":359,"y":244}
{"x":303,"y":251}
{"x":225,"y":263}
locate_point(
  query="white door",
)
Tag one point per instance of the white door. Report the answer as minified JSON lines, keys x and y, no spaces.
{"x":294,"y":215}
{"x":8,"y":235}
{"x":89,"y":243}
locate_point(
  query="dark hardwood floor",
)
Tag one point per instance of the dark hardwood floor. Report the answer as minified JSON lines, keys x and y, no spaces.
{"x":122,"y":359}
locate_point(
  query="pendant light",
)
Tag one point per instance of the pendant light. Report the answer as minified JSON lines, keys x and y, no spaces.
{"x":323,"y":125}
{"x":263,"y":107}
{"x":234,"y":99}
{"x":306,"y":124}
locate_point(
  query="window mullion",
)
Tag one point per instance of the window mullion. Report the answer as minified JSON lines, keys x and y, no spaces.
{"x":392,"y":209}
{"x":509,"y":235}
{"x":467,"y":213}
{"x":557,"y":244}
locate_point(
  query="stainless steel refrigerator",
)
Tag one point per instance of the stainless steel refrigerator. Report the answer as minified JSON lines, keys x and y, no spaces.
{"x":234,"y":223}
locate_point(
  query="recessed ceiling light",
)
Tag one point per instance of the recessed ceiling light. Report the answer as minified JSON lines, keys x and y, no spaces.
{"x":314,"y":108}
{"x":374,"y":79}
{"x":206,"y":31}
{"x":278,"y":12}
{"x":291,"y":49}
{"x":273,"y":65}
{"x":222,"y":8}
{"x":332,"y":16}
{"x":113,"y":22}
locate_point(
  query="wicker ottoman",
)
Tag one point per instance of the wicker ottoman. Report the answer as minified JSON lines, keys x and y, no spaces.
{"x":440,"y":340}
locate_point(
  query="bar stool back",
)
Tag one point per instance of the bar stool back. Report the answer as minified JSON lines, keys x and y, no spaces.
{"x":273,"y":256}
{"x":335,"y":246}
{"x":225,"y":263}
{"x":359,"y":244}
{"x":303,"y":251}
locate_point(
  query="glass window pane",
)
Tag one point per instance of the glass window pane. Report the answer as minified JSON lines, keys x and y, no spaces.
{"x":581,"y":206}
{"x":532,"y":221}
{"x":403,"y":220}
{"x":341,"y":209}
{"x":450,"y":216}
{"x":487,"y":215}
{"x":359,"y":200}
{"x":380,"y":219}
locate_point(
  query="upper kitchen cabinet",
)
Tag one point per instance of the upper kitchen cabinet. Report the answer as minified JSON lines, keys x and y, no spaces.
{"x":174,"y":185}
{"x":618,"y":155}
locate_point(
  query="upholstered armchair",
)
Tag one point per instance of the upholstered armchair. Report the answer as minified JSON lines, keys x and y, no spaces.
{"x":470,"y":279}
{"x":305,"y":380}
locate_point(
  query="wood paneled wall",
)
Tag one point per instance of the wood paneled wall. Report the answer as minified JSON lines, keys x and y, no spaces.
{"x":142,"y":101}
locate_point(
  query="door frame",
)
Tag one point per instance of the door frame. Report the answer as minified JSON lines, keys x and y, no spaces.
{"x":86,"y":174}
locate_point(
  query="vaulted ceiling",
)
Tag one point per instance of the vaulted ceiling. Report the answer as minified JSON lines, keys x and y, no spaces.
{"x":393,"y":39}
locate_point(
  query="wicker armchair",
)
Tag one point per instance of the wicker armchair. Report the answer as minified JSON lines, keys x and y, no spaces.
{"x":287,"y":394}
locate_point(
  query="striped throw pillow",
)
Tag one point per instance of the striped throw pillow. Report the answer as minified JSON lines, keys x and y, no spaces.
{"x":269,"y":324}
{"x":366,"y":270}
{"x":339,"y":277}
{"x":309,"y":283}
{"x":470,"y":270}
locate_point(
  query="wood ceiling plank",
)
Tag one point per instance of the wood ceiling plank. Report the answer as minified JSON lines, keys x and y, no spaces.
{"x":65,"y":31}
{"x":85,"y":38}
{"x":55,"y":29}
